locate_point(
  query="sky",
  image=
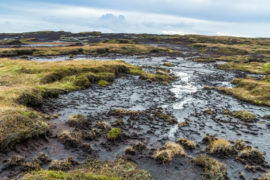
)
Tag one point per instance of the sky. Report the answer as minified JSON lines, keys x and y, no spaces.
{"x":248,"y":18}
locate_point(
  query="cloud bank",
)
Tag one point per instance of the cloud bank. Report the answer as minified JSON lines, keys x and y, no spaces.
{"x":238,"y":18}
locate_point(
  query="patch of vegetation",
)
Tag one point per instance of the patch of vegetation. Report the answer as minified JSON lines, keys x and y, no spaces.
{"x":114,"y":134}
{"x":266,"y":176}
{"x":166,"y":117}
{"x":120,"y":41}
{"x":62,"y":165}
{"x":60,"y":175}
{"x":30,"y":99}
{"x":183,"y":124}
{"x":102,"y":125}
{"x":17,"y":126}
{"x":251,"y":156}
{"x":26,"y":84}
{"x":78,"y":121}
{"x":220,"y":147}
{"x":124,"y":112}
{"x":211,"y":167}
{"x":103,"y":83}
{"x":246,"y":116}
{"x":10,"y":42}
{"x":94,"y":49}
{"x":130,"y":150}
{"x":137,"y":71}
{"x":96,"y":170}
{"x":222,"y":49}
{"x":250,"y":90}
{"x":168,"y":64}
{"x":168,"y":152}
{"x":82,"y":81}
{"x":93,"y":33}
{"x":165,"y":78}
{"x":252,"y":67}
{"x":188,"y":144}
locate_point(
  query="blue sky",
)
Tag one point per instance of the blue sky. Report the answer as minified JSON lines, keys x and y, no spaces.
{"x":250,"y":18}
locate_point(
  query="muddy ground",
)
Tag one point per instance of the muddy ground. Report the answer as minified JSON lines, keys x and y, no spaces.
{"x":185,"y":99}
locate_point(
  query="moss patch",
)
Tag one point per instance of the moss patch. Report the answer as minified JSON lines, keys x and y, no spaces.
{"x":114,"y":134}
{"x":103,"y":83}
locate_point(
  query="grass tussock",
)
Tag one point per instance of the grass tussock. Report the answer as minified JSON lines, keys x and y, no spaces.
{"x":96,"y":170}
{"x":251,"y":156}
{"x":188,"y":144}
{"x":168,"y":152}
{"x":212,"y":169}
{"x":62,"y":165}
{"x":17,"y":126}
{"x":245,"y":115}
{"x":78,"y":121}
{"x":220,"y":147}
{"x":114,"y":134}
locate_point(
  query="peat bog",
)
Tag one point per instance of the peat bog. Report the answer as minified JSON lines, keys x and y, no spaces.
{"x":133,"y":106}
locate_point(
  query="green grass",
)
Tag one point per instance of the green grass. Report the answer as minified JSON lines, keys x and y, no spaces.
{"x":252,"y":67}
{"x":250,"y":90}
{"x":94,"y":170}
{"x":60,"y":175}
{"x":25,"y":84}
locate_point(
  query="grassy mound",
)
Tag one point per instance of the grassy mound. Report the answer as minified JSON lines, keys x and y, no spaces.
{"x":188,"y":144}
{"x":168,"y":152}
{"x":250,"y":90}
{"x":119,"y":169}
{"x":17,"y":126}
{"x":220,"y":147}
{"x":244,"y":115}
{"x":211,"y":167}
{"x":25,"y":84}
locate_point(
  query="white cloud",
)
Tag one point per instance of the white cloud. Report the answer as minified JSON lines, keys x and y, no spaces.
{"x":177,"y":32}
{"x":42,"y":16}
